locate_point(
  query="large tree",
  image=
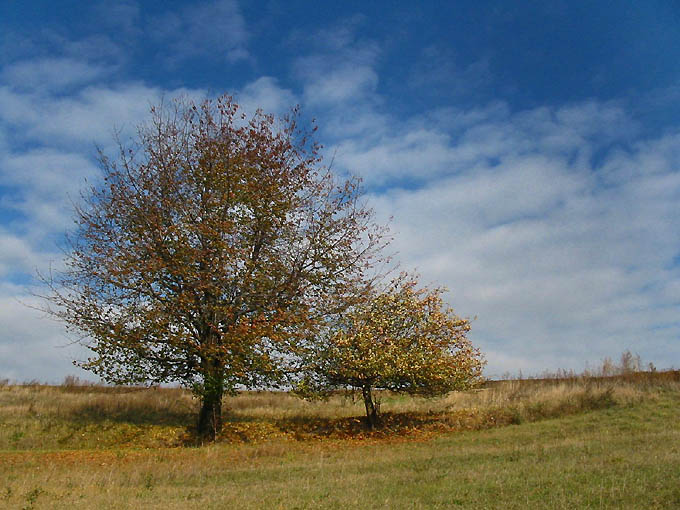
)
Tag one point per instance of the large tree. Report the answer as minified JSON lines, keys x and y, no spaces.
{"x":403,"y":339}
{"x":213,"y":243}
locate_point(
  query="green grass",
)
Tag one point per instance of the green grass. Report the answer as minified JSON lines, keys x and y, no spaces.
{"x":614,"y":445}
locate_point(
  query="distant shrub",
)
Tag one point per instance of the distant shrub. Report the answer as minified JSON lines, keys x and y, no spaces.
{"x":74,"y":380}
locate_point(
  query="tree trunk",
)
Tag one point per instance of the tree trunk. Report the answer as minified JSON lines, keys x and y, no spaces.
{"x":210,"y":416}
{"x":371,"y":409}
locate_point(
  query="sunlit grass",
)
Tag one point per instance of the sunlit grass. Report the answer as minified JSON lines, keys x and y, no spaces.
{"x":86,"y":417}
{"x":570,"y":442}
{"x":623,"y":455}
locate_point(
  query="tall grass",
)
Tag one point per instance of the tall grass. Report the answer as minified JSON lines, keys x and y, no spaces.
{"x":85,"y":416}
{"x":624,"y":456}
{"x":82,"y":445}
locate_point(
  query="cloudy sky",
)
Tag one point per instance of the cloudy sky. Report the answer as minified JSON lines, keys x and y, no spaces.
{"x":528,"y":152}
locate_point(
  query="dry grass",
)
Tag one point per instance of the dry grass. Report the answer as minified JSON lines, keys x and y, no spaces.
{"x":87,"y":416}
{"x":76,"y":446}
{"x":626,"y":455}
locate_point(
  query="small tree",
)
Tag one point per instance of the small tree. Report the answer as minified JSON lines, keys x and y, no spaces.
{"x":213,"y":244}
{"x":403,"y":340}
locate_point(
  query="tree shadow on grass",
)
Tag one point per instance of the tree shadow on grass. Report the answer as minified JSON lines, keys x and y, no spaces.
{"x":389,"y":425}
{"x":239,"y":429}
{"x":243,"y":429}
{"x":132,"y":415}
{"x":138,"y":406}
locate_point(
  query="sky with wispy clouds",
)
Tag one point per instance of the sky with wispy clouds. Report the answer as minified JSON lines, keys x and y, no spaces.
{"x":528,"y":153}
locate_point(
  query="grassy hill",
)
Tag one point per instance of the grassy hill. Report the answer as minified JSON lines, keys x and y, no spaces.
{"x":607,"y":442}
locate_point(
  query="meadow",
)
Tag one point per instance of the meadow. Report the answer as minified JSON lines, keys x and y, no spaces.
{"x":558,"y":442}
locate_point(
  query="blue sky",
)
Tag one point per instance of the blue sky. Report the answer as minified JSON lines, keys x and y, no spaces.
{"x":528,"y":152}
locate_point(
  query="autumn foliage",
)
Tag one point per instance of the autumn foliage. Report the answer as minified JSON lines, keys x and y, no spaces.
{"x":403,"y":339}
{"x":212,"y":245}
{"x":218,"y":252}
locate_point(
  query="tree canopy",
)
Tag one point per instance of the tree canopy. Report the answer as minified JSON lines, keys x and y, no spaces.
{"x":213,"y":243}
{"x":402,"y":339}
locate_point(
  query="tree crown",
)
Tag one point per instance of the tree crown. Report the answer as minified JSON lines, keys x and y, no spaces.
{"x":213,"y":243}
{"x":403,"y":339}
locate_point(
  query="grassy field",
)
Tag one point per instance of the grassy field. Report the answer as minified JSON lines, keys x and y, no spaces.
{"x":572,"y":443}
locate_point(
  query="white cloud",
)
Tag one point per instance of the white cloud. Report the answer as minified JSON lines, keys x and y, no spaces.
{"x":44,"y":183}
{"x":46,"y":153}
{"x":451,"y":141}
{"x":556,"y":226}
{"x":339,"y":84}
{"x":32,"y":346}
{"x":87,"y":117}
{"x":559,"y":267}
{"x":339,"y":80}
{"x":16,"y":255}
{"x":553,"y":225}
{"x":47,"y":150}
{"x":45,"y":170}
{"x":265,"y":93}
{"x":526,"y":216}
{"x":53,"y":74}
{"x":213,"y":29}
